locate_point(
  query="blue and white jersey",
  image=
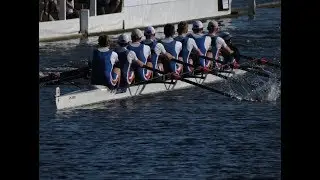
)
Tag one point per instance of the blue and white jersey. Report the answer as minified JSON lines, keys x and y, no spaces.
{"x":156,"y":50}
{"x":174,"y":48}
{"x":203,"y":42}
{"x":143,"y":52}
{"x":103,"y":61}
{"x":188,"y":44}
{"x":126,"y":57}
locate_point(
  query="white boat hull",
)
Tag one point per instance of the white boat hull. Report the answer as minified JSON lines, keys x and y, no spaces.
{"x":99,"y":94}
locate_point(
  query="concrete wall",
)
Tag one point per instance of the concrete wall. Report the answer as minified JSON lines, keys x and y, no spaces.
{"x":137,"y":13}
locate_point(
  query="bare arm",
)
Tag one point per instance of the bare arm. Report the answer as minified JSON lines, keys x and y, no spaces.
{"x":224,"y":46}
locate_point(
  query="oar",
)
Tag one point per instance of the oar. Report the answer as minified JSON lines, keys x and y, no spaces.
{"x":65,"y":76}
{"x":260,"y":73}
{"x":199,"y":85}
{"x":245,"y":68}
{"x":261,"y":61}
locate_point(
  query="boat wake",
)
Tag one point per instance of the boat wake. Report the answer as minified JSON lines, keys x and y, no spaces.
{"x":251,"y":87}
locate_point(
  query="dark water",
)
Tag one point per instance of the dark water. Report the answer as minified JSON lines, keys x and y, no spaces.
{"x":187,"y":134}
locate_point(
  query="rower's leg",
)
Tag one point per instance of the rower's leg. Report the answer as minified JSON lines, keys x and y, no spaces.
{"x":149,"y":72}
{"x":116,"y":74}
{"x":131,"y":77}
{"x":209,"y":64}
{"x":160,"y":66}
{"x":190,"y":61}
{"x":180,"y":66}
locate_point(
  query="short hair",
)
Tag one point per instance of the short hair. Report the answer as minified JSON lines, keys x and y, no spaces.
{"x":197,"y":30}
{"x":104,"y":41}
{"x":182,"y":27}
{"x":169,"y":30}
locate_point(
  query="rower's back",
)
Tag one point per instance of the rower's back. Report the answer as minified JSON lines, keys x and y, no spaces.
{"x":172,"y":46}
{"x":125,"y":58}
{"x":154,"y":56}
{"x":143,"y":53}
{"x":203,"y":42}
{"x":102,"y":65}
{"x":188,"y":44}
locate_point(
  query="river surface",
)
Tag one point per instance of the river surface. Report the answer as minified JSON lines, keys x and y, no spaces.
{"x":185,"y":134}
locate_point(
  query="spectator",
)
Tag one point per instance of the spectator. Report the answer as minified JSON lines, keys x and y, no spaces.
{"x":71,"y":11}
{"x":102,"y":6}
{"x":108,"y":6}
{"x":114,"y":6}
{"x":50,"y":10}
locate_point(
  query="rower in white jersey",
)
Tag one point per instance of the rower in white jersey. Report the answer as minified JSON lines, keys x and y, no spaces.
{"x":217,"y":43}
{"x":157,"y":49}
{"x":174,"y":48}
{"x":203,"y":42}
{"x":126,"y":58}
{"x":188,"y":44}
{"x":105,"y":65}
{"x":143,"y":53}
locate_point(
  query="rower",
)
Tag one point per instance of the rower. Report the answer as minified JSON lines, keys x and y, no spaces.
{"x":126,"y":58}
{"x":228,"y":58}
{"x":105,"y":64}
{"x":173,"y":47}
{"x":217,"y":42}
{"x":203,"y":42}
{"x":188,"y":44}
{"x":157,"y":49}
{"x":143,"y":53}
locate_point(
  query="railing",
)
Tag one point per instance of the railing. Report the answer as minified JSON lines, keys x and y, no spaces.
{"x":63,"y":10}
{"x":62,"y":14}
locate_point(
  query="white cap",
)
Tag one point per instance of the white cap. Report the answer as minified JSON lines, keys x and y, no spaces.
{"x":149,"y":30}
{"x":123,"y":38}
{"x":197,"y":25}
{"x":137,"y":32}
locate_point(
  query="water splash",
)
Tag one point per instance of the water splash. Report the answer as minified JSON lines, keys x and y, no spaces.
{"x":251,"y":87}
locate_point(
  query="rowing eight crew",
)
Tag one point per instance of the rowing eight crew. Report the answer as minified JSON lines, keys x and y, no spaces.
{"x":119,"y":67}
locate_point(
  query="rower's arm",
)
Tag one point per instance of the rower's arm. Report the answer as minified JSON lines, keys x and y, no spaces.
{"x":179,"y":45}
{"x":192,"y":45}
{"x":148,"y":50}
{"x":160,"y":50}
{"x":132,"y":57}
{"x":224,"y":45}
{"x":236,"y":53}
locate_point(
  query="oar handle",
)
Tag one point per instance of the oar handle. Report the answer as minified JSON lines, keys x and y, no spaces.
{"x":191,"y":65}
{"x":211,"y":59}
{"x":150,"y":68}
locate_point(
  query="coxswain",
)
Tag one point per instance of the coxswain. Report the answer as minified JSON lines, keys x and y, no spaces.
{"x":105,"y":65}
{"x":230,"y":58}
{"x":157,"y":49}
{"x":126,"y":58}
{"x":203,"y":42}
{"x":188,"y":45}
{"x":217,"y":43}
{"x":143,"y":53}
{"x":174,"y":48}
